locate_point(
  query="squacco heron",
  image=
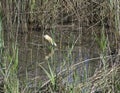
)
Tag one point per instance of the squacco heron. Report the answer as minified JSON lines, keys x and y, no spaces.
{"x":50,"y":40}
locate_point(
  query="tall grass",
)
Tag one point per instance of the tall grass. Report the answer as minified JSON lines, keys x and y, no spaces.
{"x":9,"y":61}
{"x":1,"y":49}
{"x":11,"y":82}
{"x":71,"y":23}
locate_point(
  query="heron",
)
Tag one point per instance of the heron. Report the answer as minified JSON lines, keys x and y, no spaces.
{"x":50,"y":40}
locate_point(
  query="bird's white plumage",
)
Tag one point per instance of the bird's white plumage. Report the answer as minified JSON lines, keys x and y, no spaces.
{"x":50,"y":40}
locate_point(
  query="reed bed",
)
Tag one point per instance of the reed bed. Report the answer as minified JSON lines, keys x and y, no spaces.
{"x":59,"y":46}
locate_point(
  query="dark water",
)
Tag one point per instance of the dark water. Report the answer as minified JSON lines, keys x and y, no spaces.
{"x":72,"y":48}
{"x":33,"y":49}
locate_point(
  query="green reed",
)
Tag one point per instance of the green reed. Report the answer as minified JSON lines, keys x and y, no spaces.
{"x":1,"y":48}
{"x":9,"y":61}
{"x":46,"y":16}
{"x":11,"y":82}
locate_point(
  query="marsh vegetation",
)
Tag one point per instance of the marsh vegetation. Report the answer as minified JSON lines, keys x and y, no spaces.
{"x":59,"y":46}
